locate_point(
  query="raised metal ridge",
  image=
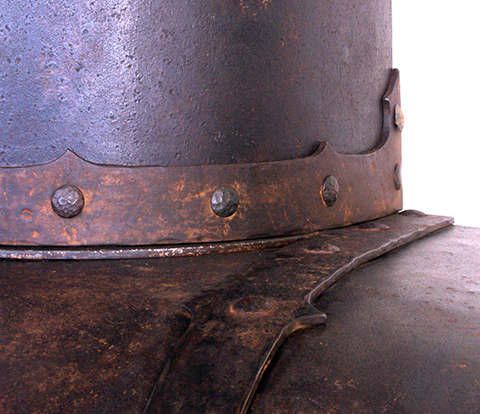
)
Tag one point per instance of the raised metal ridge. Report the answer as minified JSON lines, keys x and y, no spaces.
{"x":141,"y":206}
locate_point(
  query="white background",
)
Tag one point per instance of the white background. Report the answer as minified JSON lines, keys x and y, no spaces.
{"x":436,"y":46}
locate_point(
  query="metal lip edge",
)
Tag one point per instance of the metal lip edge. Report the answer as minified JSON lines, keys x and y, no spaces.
{"x":443,"y":222}
{"x":168,"y":251}
{"x":145,"y":252}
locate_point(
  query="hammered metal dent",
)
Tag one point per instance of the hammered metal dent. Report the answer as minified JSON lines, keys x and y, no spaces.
{"x":225,"y":201}
{"x":68,"y":201}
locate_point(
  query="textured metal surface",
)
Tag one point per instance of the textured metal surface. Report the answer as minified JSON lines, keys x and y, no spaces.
{"x":179,"y":335}
{"x":144,"y":252}
{"x":330,"y":190}
{"x":190,"y":82}
{"x":68,"y":201}
{"x":225,"y":201}
{"x":168,"y":205}
{"x":402,"y":336}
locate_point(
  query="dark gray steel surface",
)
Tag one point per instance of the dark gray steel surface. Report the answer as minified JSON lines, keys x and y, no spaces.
{"x":193,"y":333}
{"x":190,"y":82}
{"x":402,"y":336}
{"x":158,"y":205}
{"x":135,"y":206}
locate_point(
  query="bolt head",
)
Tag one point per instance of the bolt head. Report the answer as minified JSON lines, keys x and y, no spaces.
{"x":399,"y":118}
{"x":225,"y":201}
{"x":330,"y":190}
{"x":68,"y":201}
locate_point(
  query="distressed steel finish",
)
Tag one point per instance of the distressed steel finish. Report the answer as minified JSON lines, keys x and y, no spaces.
{"x":402,"y":336}
{"x":190,"y":82}
{"x":179,"y":335}
{"x":67,"y":201}
{"x":170,"y":205}
{"x":143,"y":252}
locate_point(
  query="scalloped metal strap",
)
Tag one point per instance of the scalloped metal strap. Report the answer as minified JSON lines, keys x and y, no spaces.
{"x":71,"y":202}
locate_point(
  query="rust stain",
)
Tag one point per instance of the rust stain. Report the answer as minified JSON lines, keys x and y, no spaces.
{"x":27,"y":215}
{"x":69,"y":233}
{"x":155,"y":205}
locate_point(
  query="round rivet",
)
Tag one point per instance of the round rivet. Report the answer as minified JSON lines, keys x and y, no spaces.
{"x":397,"y":177}
{"x":224,"y":201}
{"x":399,"y":119}
{"x":330,"y":190}
{"x":68,"y":201}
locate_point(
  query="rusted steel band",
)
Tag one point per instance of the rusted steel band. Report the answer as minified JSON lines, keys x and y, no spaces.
{"x":131,"y":206}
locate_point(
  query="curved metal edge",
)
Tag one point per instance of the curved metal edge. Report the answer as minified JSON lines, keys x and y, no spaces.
{"x":386,"y":121}
{"x":387,"y":108}
{"x":374,"y":253}
{"x":140,"y":206}
{"x":316,"y":318}
{"x":211,"y":348}
{"x":146,"y":252}
{"x":166,"y":368}
{"x":71,"y":155}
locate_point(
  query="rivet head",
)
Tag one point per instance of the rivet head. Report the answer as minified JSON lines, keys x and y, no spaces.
{"x":68,"y":201}
{"x":225,"y":201}
{"x":397,"y":177}
{"x":399,"y":119}
{"x":330,"y":190}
